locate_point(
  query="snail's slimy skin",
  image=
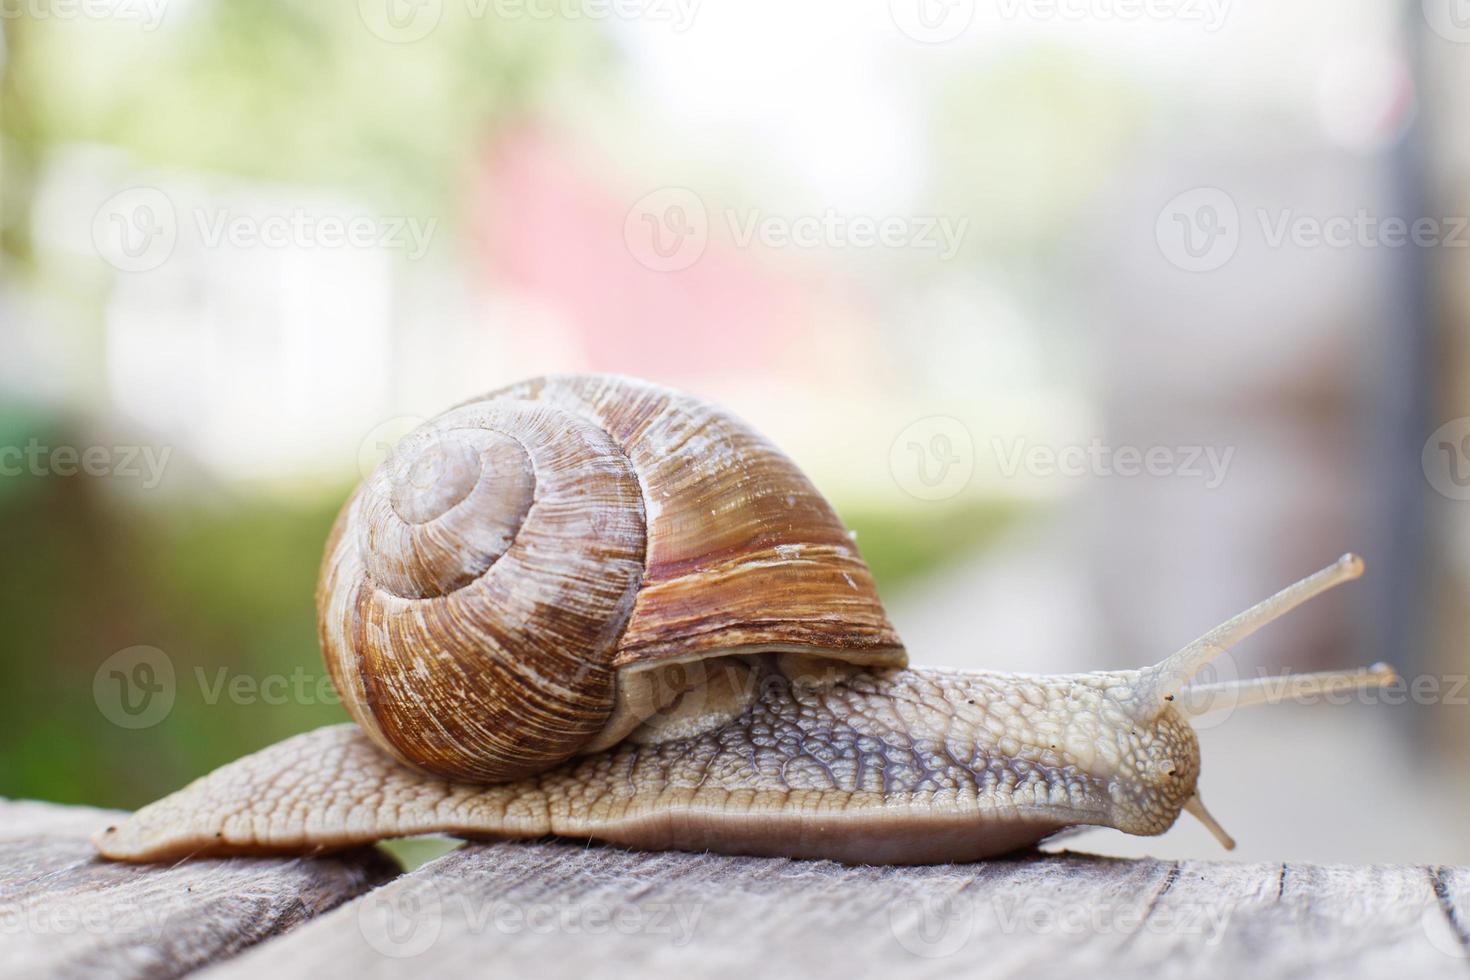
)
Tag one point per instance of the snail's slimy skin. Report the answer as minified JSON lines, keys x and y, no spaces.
{"x":883,"y":767}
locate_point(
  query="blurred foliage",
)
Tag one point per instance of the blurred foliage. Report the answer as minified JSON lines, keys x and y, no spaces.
{"x":902,"y":547}
{"x":224,"y":586}
{"x":278,"y":90}
{"x":272,"y":90}
{"x":1062,"y":117}
{"x":412,"y":853}
{"x":217,"y":577}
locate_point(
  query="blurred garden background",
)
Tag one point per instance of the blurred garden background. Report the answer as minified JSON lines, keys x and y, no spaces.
{"x":1093,"y":325}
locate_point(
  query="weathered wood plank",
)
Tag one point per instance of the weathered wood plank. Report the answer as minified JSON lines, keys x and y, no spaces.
{"x":65,"y":912}
{"x":28,"y":818}
{"x":559,"y":909}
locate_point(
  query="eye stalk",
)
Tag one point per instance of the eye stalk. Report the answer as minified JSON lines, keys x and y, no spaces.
{"x":1161,"y":685}
{"x":1226,"y":695}
{"x":1170,"y":677}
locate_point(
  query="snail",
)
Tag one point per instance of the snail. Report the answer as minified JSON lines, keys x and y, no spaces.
{"x":594,"y":607}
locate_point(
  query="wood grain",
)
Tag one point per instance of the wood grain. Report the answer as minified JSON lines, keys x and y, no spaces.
{"x":66,"y":912}
{"x":564,"y":910}
{"x":560,"y":909}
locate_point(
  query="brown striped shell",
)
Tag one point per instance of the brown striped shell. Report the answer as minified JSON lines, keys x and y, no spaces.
{"x":486,"y":587}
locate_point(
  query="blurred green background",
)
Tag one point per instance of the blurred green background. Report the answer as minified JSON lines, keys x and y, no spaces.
{"x":217,"y":577}
{"x":226,"y":590}
{"x":219,"y":574}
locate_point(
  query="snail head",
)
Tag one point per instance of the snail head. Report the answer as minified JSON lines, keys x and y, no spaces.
{"x":1162,"y":766}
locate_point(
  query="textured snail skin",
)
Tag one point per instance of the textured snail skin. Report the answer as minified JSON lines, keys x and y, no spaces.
{"x":882,"y":767}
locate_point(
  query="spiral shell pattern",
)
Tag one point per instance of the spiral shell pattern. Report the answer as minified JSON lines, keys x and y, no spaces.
{"x":485,"y":585}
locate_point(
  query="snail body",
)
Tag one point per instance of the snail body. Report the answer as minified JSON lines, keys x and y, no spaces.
{"x":594,"y":607}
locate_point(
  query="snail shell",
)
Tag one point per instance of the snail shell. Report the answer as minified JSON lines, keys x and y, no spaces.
{"x":492,"y":588}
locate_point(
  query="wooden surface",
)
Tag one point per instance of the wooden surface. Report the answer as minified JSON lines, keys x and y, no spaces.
{"x":557,"y":909}
{"x":65,"y":913}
